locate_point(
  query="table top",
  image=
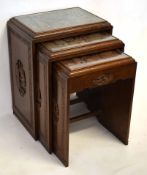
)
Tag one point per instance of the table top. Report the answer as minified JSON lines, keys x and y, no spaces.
{"x":77,"y":41}
{"x":58,"y":19}
{"x":93,"y":60}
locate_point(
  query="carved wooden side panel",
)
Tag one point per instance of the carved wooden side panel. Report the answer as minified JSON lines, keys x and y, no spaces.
{"x":45,"y":132}
{"x":21,"y":65}
{"x":61,"y":118}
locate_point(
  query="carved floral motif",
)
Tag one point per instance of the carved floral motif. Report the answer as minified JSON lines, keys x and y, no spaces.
{"x":20,"y":78}
{"x":103,"y":79}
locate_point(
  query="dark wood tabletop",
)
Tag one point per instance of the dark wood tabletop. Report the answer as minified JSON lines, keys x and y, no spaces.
{"x":58,"y":19}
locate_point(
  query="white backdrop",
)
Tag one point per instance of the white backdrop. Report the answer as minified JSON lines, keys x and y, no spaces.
{"x":129,"y":18}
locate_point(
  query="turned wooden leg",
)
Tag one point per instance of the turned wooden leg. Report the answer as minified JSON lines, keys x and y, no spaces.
{"x":61,"y":119}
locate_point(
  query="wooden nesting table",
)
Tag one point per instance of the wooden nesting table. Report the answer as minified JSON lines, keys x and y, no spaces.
{"x":24,"y":34}
{"x":114,"y":72}
{"x":51,"y":53}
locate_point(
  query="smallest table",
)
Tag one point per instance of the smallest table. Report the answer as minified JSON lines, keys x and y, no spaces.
{"x":106,"y":82}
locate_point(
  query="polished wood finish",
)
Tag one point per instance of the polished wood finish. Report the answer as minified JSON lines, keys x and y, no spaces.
{"x":98,"y":42}
{"x":78,"y":41}
{"x":24,"y":34}
{"x":61,"y":118}
{"x":81,"y":45}
{"x":45,"y":104}
{"x":22,"y":81}
{"x":116,"y":74}
{"x":53,"y":54}
{"x":63,"y":22}
{"x":47,"y":21}
{"x":115,"y":102}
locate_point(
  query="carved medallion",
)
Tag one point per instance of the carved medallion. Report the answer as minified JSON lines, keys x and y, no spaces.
{"x":103,"y":79}
{"x":20,"y":78}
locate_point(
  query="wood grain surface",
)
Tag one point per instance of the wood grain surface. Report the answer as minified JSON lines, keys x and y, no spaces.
{"x":57,"y":19}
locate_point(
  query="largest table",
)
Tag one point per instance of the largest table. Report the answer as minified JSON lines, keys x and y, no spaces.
{"x":50,"y":37}
{"x":24,"y":34}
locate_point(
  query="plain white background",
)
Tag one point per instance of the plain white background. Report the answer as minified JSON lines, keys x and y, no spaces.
{"x":20,"y":154}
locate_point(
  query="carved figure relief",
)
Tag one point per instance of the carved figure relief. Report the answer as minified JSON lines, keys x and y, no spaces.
{"x":20,"y":78}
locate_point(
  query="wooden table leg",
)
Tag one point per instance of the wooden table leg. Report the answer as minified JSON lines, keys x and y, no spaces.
{"x":116,"y":106}
{"x":61,"y":119}
{"x":44,"y":102}
{"x":115,"y":102}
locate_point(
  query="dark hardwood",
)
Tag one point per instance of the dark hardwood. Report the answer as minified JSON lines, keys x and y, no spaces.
{"x":22,"y":76}
{"x":56,"y":53}
{"x":57,"y":23}
{"x":114,"y":70}
{"x":71,"y":48}
{"x":115,"y":102}
{"x":84,"y":116}
{"x":81,"y":45}
{"x":24,"y":34}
